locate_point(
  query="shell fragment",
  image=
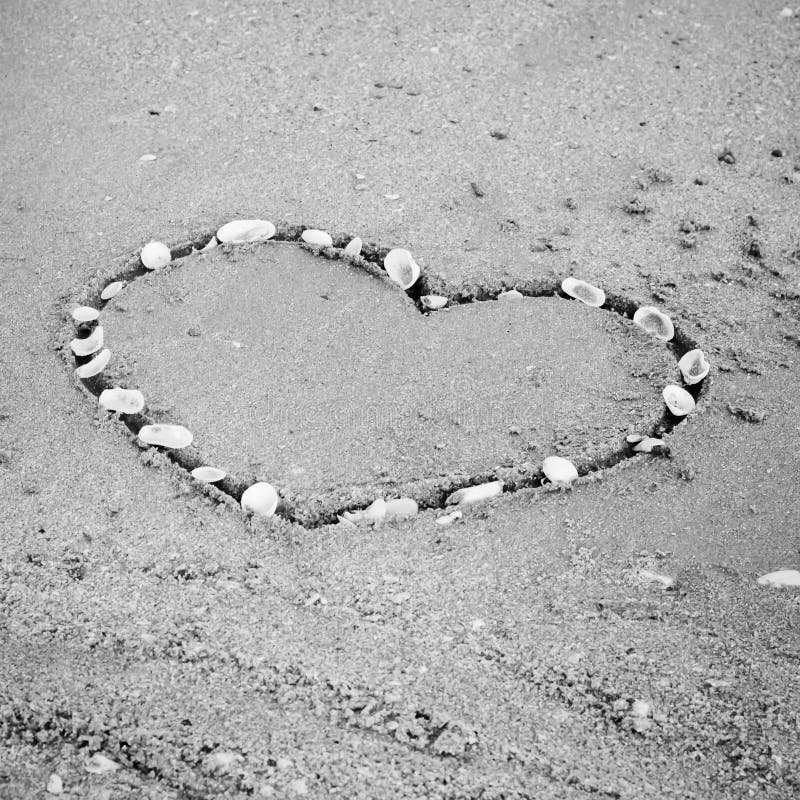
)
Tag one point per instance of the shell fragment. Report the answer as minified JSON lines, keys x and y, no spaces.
{"x":354,"y":247}
{"x":694,"y":367}
{"x":780,"y":578}
{"x":678,"y":400}
{"x":401,"y":268}
{"x":316,"y":237}
{"x":511,"y":294}
{"x":112,"y":290}
{"x":449,"y":519}
{"x":433,"y":302}
{"x":208,"y":474}
{"x":95,"y":366}
{"x":124,"y":401}
{"x":647,"y":444}
{"x":584,"y":292}
{"x":155,"y":255}
{"x":171,"y":436}
{"x":85,"y":314}
{"x":373,"y":514}
{"x":401,"y":508}
{"x":241,"y":231}
{"x":560,"y":471}
{"x":89,"y":345}
{"x":475,"y":494}
{"x":650,"y":319}
{"x":260,"y":499}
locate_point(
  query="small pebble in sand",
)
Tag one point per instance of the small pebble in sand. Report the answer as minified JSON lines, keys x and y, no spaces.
{"x":89,"y":345}
{"x":511,"y":294}
{"x":316,"y":237}
{"x":560,"y":471}
{"x":85,"y":314}
{"x":781,"y":578}
{"x":650,"y":319}
{"x":171,"y":436}
{"x":475,"y":494}
{"x":693,"y":366}
{"x":95,"y":366}
{"x":786,"y":13}
{"x":400,"y":509}
{"x":147,"y":157}
{"x":260,"y":499}
{"x":155,"y":255}
{"x":241,"y":231}
{"x":449,"y":519}
{"x":584,"y":292}
{"x":208,"y":474}
{"x":678,"y":400}
{"x":125,"y":401}
{"x":100,"y":764}
{"x":112,"y":290}
{"x":401,"y":267}
{"x":433,"y":302}
{"x":353,"y":247}
{"x":54,"y":784}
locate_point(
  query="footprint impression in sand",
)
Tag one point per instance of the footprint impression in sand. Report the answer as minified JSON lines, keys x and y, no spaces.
{"x":313,"y":377}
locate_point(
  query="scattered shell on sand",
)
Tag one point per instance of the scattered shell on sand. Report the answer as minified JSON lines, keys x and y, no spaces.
{"x":647,"y":444}
{"x":95,"y":366}
{"x":112,"y":290}
{"x":664,"y":580}
{"x":85,"y":314}
{"x":354,"y":247}
{"x":401,"y":267}
{"x":155,"y":255}
{"x":433,"y":302}
{"x":584,"y":292}
{"x":449,"y":519}
{"x":373,"y":514}
{"x":559,"y":470}
{"x":678,"y":400}
{"x":632,"y":438}
{"x":172,"y":436}
{"x":208,"y":474}
{"x":100,"y":764}
{"x":694,"y":366}
{"x":511,"y":294}
{"x":316,"y":237}
{"x":780,"y":578}
{"x":475,"y":494}
{"x":401,"y":508}
{"x":91,"y":344}
{"x":260,"y":499}
{"x":210,"y":245}
{"x":652,"y":320}
{"x":125,"y":401}
{"x":241,"y":231}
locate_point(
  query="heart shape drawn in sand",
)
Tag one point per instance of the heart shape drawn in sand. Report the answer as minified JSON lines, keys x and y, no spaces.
{"x":341,"y":374}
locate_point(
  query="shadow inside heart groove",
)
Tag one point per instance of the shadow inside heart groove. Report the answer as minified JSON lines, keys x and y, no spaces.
{"x":326,"y":381}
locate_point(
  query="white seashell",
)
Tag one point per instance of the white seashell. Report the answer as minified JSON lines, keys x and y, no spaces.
{"x":511,"y":294}
{"x":241,"y":231}
{"x":85,"y":314}
{"x":632,"y":438}
{"x":172,"y":436}
{"x":678,"y":400}
{"x":584,"y":292}
{"x":694,"y":366}
{"x":261,"y":499}
{"x":112,"y":290}
{"x":648,"y":444}
{"x":402,"y":508}
{"x":475,"y":494}
{"x":212,"y":243}
{"x":95,"y":366}
{"x":373,"y":513}
{"x":433,"y":301}
{"x":316,"y":237}
{"x":208,"y":474}
{"x":91,"y":344}
{"x":652,"y":320}
{"x":54,"y":784}
{"x":125,"y":401}
{"x":354,"y":247}
{"x":559,"y":470}
{"x":100,"y":764}
{"x":782,"y":577}
{"x":664,"y":580}
{"x":155,"y":255}
{"x":449,"y":519}
{"x":401,"y":268}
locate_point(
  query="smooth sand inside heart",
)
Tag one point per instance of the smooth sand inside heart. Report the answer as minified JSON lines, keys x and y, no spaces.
{"x":316,"y":376}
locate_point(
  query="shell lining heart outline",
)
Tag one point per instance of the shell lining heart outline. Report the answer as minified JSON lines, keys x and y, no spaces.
{"x":428,"y":493}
